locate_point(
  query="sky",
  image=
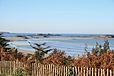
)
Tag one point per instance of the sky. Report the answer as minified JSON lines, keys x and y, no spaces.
{"x":57,"y":16}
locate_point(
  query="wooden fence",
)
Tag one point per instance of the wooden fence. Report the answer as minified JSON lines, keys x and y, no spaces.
{"x":37,"y":69}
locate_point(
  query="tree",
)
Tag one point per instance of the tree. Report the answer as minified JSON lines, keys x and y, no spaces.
{"x":3,"y":45}
{"x":41,"y":50}
{"x":106,"y":46}
{"x":99,"y":49}
{"x":3,"y":42}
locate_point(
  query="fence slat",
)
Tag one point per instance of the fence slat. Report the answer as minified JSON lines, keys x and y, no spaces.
{"x":95,"y":71}
{"x":75,"y":71}
{"x":110,"y":72}
{"x":98,"y":72}
{"x":0,"y":68}
{"x":92,"y":72}
{"x":101,"y":72}
{"x":87,"y":74}
{"x":107,"y":72}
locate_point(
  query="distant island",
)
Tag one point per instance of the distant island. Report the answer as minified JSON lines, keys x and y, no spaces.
{"x":23,"y":36}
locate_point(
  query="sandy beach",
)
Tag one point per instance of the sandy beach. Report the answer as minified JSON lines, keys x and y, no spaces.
{"x":14,"y":38}
{"x":25,"y":52}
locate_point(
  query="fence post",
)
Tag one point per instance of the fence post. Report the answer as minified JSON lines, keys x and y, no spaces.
{"x":75,"y":71}
{"x":87,"y":71}
{"x":0,"y":67}
{"x":98,"y":72}
{"x":110,"y":72}
{"x":103,"y":72}
{"x":84,"y":72}
{"x":107,"y":72}
{"x":92,"y":72}
{"x":113,"y":72}
{"x":10,"y":67}
{"x":95,"y":71}
{"x":31,"y":68}
{"x":81,"y":71}
{"x":66,"y":71}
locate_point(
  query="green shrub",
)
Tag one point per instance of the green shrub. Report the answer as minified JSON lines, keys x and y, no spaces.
{"x":19,"y":72}
{"x":99,"y":49}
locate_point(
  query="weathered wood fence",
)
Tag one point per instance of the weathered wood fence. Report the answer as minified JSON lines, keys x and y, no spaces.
{"x":37,"y":69}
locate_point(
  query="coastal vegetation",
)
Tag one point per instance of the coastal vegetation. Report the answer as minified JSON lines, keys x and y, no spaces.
{"x":101,"y":56}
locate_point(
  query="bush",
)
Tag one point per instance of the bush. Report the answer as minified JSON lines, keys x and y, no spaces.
{"x":19,"y":72}
{"x":3,"y":42}
{"x":99,"y":49}
{"x":101,"y":57}
{"x":58,"y":57}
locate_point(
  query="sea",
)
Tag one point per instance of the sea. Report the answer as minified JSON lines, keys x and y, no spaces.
{"x":73,"y":47}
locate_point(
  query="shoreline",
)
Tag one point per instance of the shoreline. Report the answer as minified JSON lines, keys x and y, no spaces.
{"x":25,"y":52}
{"x":54,"y":38}
{"x":49,"y":38}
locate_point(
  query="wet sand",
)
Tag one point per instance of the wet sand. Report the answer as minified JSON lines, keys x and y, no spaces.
{"x":25,"y":52}
{"x":14,"y":38}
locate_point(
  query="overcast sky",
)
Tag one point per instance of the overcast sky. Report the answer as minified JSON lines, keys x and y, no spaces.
{"x":57,"y":16}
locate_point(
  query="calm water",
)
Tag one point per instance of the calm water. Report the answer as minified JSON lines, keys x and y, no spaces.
{"x":71,"y":47}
